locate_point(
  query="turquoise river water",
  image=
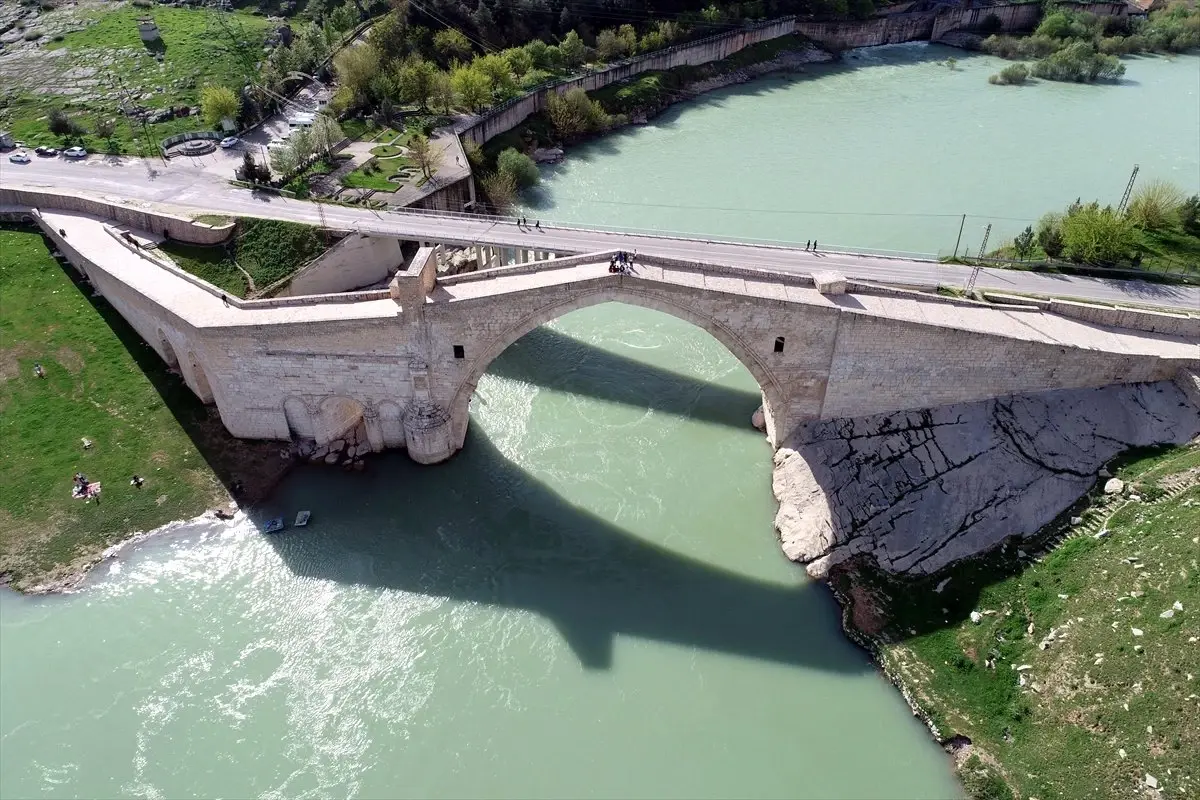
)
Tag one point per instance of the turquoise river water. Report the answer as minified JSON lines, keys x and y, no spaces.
{"x":589,"y":600}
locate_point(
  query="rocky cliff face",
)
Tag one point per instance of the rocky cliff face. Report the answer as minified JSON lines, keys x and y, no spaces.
{"x":919,"y":490}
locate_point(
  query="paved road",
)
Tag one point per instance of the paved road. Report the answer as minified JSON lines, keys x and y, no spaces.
{"x":196,"y":185}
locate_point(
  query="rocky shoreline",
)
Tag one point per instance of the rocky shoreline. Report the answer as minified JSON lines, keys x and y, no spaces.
{"x":917,"y":491}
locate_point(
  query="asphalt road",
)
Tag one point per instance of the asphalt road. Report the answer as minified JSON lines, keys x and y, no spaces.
{"x":200,"y":185}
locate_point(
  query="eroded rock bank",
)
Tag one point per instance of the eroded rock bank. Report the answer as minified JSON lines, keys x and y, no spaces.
{"x":918,"y":491}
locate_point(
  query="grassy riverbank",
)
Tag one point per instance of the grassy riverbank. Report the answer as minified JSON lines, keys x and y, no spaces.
{"x":103,"y":383}
{"x":1080,"y":678}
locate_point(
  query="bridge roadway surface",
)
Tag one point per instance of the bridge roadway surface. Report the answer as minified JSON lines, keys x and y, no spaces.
{"x":200,"y":186}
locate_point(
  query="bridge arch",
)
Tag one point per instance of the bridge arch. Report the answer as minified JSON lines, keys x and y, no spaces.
{"x":774,"y":405}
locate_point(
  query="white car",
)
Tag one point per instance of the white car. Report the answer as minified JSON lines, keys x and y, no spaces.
{"x":75,"y":152}
{"x":230,"y":141}
{"x":19,"y":157}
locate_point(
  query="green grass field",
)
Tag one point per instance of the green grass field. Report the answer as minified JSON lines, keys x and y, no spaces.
{"x":199,"y":48}
{"x":102,"y":383}
{"x":371,"y":176}
{"x":1059,"y":693}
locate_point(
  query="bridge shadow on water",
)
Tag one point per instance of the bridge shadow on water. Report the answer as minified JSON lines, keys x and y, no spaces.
{"x":480,"y":530}
{"x":545,"y":357}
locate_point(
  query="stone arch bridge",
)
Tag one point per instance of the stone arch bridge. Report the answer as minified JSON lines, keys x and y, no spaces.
{"x":398,"y":367}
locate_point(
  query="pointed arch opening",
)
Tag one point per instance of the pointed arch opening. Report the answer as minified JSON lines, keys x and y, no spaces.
{"x":167,"y":351}
{"x":200,"y":384}
{"x":773,"y":405}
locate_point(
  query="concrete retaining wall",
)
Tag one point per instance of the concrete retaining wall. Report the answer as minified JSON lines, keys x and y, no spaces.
{"x":179,"y":228}
{"x":353,"y":262}
{"x":714,"y":48}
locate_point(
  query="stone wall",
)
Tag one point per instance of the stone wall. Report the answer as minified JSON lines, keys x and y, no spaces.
{"x":714,"y":48}
{"x":932,"y":25}
{"x":355,"y":261}
{"x":180,"y":228}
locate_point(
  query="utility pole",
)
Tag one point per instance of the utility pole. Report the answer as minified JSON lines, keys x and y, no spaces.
{"x":958,"y":241}
{"x":983,"y":245}
{"x":1128,"y":190}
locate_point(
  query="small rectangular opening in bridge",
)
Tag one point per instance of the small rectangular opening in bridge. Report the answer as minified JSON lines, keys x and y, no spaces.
{"x":778,"y":344}
{"x":459,"y":352}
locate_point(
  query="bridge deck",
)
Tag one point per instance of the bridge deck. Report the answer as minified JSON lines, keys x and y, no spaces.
{"x":1011,"y":322}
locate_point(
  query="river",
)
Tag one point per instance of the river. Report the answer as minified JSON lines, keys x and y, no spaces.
{"x":885,"y":151}
{"x":589,"y":600}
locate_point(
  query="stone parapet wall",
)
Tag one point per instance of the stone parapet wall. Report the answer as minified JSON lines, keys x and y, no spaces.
{"x":179,"y":228}
{"x":1115,"y":316}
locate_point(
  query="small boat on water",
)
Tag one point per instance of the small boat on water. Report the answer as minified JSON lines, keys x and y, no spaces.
{"x":302,"y":518}
{"x":274,"y":525}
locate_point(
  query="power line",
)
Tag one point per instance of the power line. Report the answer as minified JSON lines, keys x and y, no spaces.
{"x":797,"y":212}
{"x":486,"y":47}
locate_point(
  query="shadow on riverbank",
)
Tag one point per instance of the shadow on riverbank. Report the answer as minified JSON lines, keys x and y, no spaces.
{"x":478,"y":529}
{"x":547,"y":358}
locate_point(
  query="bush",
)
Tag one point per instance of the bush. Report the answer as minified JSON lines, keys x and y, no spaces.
{"x":1023,"y":243}
{"x":106,"y":128}
{"x":33,"y":34}
{"x":1079,"y":62}
{"x":1094,"y":235}
{"x":1156,"y":206}
{"x":1012,"y":75}
{"x":520,"y":166}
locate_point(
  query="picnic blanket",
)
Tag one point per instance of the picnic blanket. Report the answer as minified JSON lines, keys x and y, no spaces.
{"x":93,"y":489}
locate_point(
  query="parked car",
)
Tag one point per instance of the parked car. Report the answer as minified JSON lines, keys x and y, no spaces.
{"x":19,"y":157}
{"x":48,"y":152}
{"x":75,"y":152}
{"x":230,"y":141}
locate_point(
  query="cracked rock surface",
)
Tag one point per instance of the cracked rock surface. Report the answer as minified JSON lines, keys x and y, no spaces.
{"x":920,"y":490}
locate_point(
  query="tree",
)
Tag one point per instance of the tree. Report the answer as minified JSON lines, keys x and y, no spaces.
{"x":344,"y":17}
{"x":1049,"y":234}
{"x":60,"y":124}
{"x":1189,"y":215}
{"x":106,"y":128}
{"x":574,"y":51}
{"x":574,"y":114}
{"x":499,"y":75}
{"x":253,"y":172}
{"x":422,"y":153}
{"x":451,"y":45}
{"x":501,"y":190}
{"x":652,"y":41}
{"x":390,"y":36}
{"x":520,"y":60}
{"x":1023,"y":244}
{"x":302,"y":146}
{"x":314,"y":39}
{"x":860,"y":9}
{"x":612,"y":45}
{"x":283,"y":160}
{"x":520,"y":166}
{"x":356,"y":68}
{"x":415,"y":81}
{"x":442,"y":92}
{"x":326,"y":133}
{"x":218,"y":103}
{"x":472,"y":88}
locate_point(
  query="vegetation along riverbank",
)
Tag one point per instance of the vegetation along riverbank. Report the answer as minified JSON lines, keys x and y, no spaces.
{"x":1159,"y":230}
{"x":1081,"y":47}
{"x":1068,"y":675}
{"x":107,"y":407}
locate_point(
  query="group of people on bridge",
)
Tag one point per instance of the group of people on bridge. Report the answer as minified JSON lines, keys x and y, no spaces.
{"x":621,"y":263}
